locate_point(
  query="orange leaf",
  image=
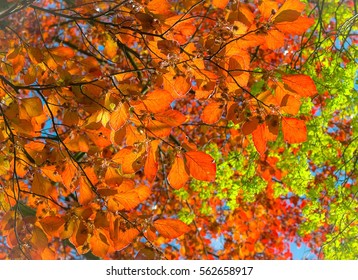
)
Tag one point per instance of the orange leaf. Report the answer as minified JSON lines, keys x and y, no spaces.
{"x":259,"y":138}
{"x":38,"y":239}
{"x":77,"y":143}
{"x":284,"y":98}
{"x":100,"y":242}
{"x":168,"y":46}
{"x":157,"y":101}
{"x":69,"y":171}
{"x":201,"y":165}
{"x":143,"y":192}
{"x":234,"y":112}
{"x":296,"y":27}
{"x":212,"y":112}
{"x":287,"y":16}
{"x":122,"y":238}
{"x":35,"y":54}
{"x":274,"y":39}
{"x":272,"y":127}
{"x":294,"y":130}
{"x":302,"y":85}
{"x":171,"y":228}
{"x":158,"y":129}
{"x":33,"y":106}
{"x":64,"y":52}
{"x":221,"y":4}
{"x":51,"y":224}
{"x":86,"y":193}
{"x":178,"y":174}
{"x":266,"y":8}
{"x":126,"y":200}
{"x":112,"y":177}
{"x":119,"y":116}
{"x":40,"y":185}
{"x":130,"y":158}
{"x":161,"y":7}
{"x":51,"y":173}
{"x":289,"y":11}
{"x":178,"y":86}
{"x":151,"y":163}
{"x":171,"y":117}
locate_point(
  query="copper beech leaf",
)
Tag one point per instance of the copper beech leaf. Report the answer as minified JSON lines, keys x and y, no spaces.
{"x":221,"y":4}
{"x":119,"y":116}
{"x":33,"y":106}
{"x":63,"y":52}
{"x":201,"y":165}
{"x":86,"y":194}
{"x":171,"y":228}
{"x":259,"y":138}
{"x":51,"y":224}
{"x":302,"y":85}
{"x":294,"y":130}
{"x":158,"y":101}
{"x":212,"y":112}
{"x":151,"y":162}
{"x":178,"y":174}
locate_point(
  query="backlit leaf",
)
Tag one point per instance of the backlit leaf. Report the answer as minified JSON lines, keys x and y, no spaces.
{"x":178,"y":174}
{"x":51,"y":224}
{"x":294,"y":130}
{"x":86,"y":194}
{"x":220,"y":3}
{"x":119,"y":116}
{"x":302,"y":85}
{"x":151,"y":162}
{"x":33,"y":106}
{"x":63,"y":52}
{"x":201,"y":165}
{"x":100,"y":242}
{"x":157,"y":101}
{"x":212,"y":112}
{"x":171,"y":228}
{"x":110,"y":47}
{"x":260,"y":139}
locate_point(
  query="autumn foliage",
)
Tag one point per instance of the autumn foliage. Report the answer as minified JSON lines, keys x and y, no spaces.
{"x":107,"y":110}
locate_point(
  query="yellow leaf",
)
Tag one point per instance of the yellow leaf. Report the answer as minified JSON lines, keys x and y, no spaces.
{"x":33,"y":106}
{"x":110,"y":47}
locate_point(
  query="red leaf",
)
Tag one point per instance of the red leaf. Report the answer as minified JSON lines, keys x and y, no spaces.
{"x":201,"y":165}
{"x":171,"y":228}
{"x":294,"y":130}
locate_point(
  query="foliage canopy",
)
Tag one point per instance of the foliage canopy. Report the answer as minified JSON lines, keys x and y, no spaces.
{"x":169,"y":129}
